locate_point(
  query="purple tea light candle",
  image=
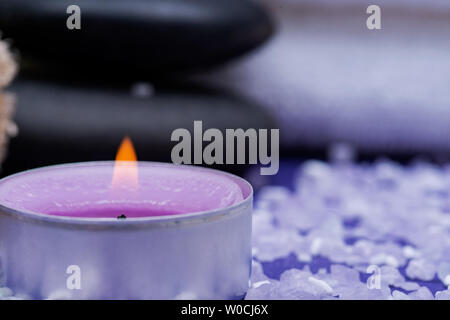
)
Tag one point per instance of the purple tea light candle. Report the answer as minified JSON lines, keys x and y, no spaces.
{"x":178,"y":232}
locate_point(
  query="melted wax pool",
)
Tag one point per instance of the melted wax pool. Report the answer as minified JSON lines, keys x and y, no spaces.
{"x":86,"y":191}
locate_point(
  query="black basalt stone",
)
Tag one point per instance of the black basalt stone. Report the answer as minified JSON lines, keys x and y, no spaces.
{"x":63,"y":122}
{"x":138,"y":36}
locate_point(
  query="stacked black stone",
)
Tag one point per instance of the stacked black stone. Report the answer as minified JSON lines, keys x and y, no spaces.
{"x":134,"y":36}
{"x":121,"y":42}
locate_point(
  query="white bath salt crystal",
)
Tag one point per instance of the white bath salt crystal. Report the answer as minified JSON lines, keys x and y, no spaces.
{"x":315,"y":180}
{"x":306,"y":269}
{"x":186,"y":295}
{"x":435,"y":229}
{"x":359,"y":291}
{"x":382,"y":258}
{"x":420,"y":269}
{"x":295,"y":275}
{"x":378,"y":294}
{"x":304,"y":257}
{"x":391,"y":276}
{"x":265,"y":291}
{"x":322,"y":271}
{"x":331,"y":227}
{"x":362,"y":268}
{"x":430,"y":179}
{"x":322,"y":284}
{"x":316,"y":169}
{"x":363,"y":247}
{"x":444,"y":273}
{"x":410,"y":252}
{"x":447,"y":280}
{"x":394,"y":253}
{"x":5,"y":292}
{"x":257,"y":272}
{"x":262,"y":222}
{"x":340,"y":253}
{"x":357,"y":206}
{"x":273,"y":194}
{"x":398,"y":295}
{"x":344,"y":274}
{"x":388,"y":171}
{"x":442,"y":295}
{"x":277,"y":244}
{"x":423,"y":293}
{"x":296,"y":284}
{"x":260,"y":283}
{"x":408,"y":285}
{"x":297,"y":294}
{"x":299,"y":216}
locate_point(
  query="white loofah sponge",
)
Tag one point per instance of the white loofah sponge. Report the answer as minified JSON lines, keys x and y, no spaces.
{"x":8,"y":69}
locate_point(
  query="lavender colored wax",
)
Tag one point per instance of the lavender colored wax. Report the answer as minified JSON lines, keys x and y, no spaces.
{"x":88,"y":191}
{"x":187,"y":232}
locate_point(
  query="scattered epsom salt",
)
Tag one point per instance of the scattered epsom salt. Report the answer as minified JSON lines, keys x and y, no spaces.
{"x":348,"y":217}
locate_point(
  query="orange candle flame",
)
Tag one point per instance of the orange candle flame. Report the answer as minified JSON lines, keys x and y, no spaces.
{"x":126,"y":166}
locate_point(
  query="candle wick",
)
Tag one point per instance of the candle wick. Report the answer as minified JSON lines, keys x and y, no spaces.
{"x":122,"y":216}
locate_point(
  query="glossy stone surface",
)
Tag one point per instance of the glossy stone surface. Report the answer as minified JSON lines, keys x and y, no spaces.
{"x":62,"y":122}
{"x":154,"y":36}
